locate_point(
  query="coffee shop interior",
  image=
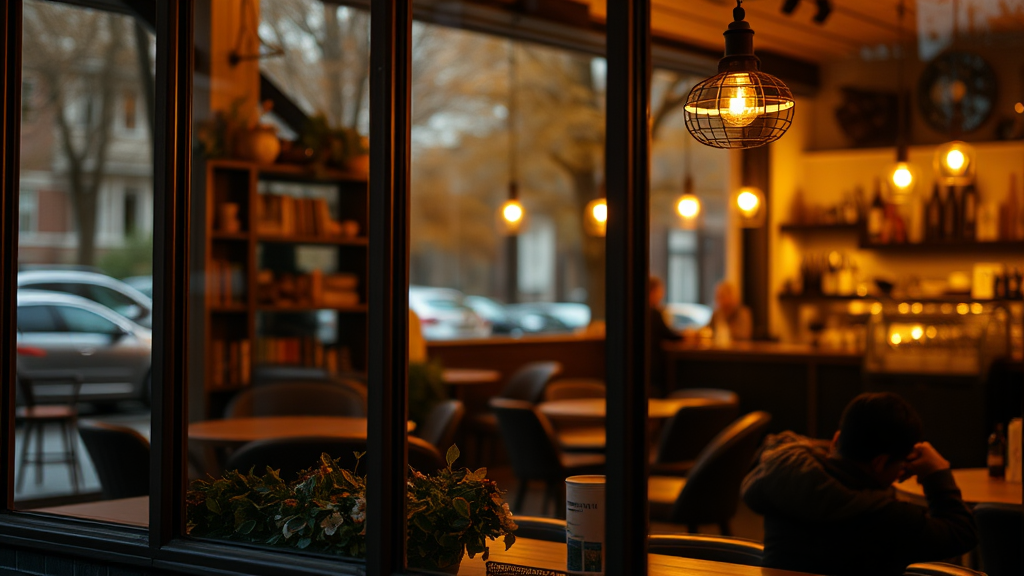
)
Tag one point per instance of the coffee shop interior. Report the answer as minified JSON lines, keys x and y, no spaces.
{"x":218,"y":214}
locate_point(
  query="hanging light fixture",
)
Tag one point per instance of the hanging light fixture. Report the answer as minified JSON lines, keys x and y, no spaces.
{"x":595,"y":216}
{"x":955,"y":161}
{"x":903,"y":175}
{"x":511,"y":216}
{"x":749,"y":206}
{"x":688,"y":205}
{"x":740,"y":107}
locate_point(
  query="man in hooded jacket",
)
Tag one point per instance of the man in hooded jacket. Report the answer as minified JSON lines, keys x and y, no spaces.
{"x":833,"y":510}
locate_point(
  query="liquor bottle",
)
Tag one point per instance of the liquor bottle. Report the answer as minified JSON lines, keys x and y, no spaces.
{"x":876,"y":215}
{"x":933,"y":216}
{"x":969,"y":213}
{"x":997,"y":453}
{"x":950,"y":216}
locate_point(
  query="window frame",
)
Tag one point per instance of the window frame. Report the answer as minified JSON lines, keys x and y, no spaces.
{"x":163,"y":545}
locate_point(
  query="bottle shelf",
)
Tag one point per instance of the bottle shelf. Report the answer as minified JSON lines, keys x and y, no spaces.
{"x":820,"y":227}
{"x":323,"y":240}
{"x":942,"y":299}
{"x":947,"y":246}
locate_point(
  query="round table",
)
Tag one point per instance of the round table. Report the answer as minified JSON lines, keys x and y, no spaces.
{"x":234,"y":432}
{"x":459,"y":378}
{"x":975,"y":486}
{"x":595,"y":408}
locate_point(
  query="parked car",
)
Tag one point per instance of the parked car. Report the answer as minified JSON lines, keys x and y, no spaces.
{"x":687,"y":316}
{"x":100,"y":288}
{"x":76,"y":335}
{"x":444,"y":314}
{"x":143,"y":284}
{"x":502,"y":322}
{"x":568,"y":315}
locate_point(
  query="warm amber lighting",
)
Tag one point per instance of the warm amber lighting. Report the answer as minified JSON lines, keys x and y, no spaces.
{"x":916,"y":332}
{"x":688,"y":209}
{"x":1019,"y":107}
{"x":748,"y":204}
{"x":932,"y":332}
{"x":511,"y":217}
{"x":916,"y":307}
{"x":903,"y":182}
{"x":876,"y":308}
{"x":595,"y":218}
{"x":903,"y":308}
{"x":977,"y":308}
{"x":895,"y":339}
{"x":737,"y":102}
{"x":962,"y":308}
{"x":954,"y":163}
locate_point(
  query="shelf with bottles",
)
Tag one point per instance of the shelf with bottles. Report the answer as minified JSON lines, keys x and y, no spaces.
{"x":822,"y":227}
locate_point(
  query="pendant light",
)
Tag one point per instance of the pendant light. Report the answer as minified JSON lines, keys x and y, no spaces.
{"x":749,"y":207}
{"x":955,"y":161}
{"x":903,"y":176}
{"x":740,"y":107}
{"x":595,"y":215}
{"x":688,"y":205}
{"x":511,"y":216}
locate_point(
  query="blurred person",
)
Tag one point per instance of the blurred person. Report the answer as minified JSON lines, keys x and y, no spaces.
{"x":659,"y":332}
{"x":731,"y":320}
{"x":831,"y":508}
{"x":417,"y":344}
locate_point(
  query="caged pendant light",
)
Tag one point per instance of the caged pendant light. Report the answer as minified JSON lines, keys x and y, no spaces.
{"x":511,"y":215}
{"x":740,"y":107}
{"x":903,"y":175}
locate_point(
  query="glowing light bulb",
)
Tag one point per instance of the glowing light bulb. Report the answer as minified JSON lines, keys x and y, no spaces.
{"x":738,"y":101}
{"x":902,"y":178}
{"x":512,"y":212}
{"x":955,"y":160}
{"x":600,"y":212}
{"x":511,"y":218}
{"x":748,"y":203}
{"x":688,"y":206}
{"x":917,"y":332}
{"x":895,"y":339}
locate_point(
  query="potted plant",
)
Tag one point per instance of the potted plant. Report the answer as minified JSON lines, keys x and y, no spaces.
{"x":338,"y":147}
{"x":450,"y":513}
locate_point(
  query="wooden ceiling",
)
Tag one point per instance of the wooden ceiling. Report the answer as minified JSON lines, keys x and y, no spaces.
{"x":852,"y":26}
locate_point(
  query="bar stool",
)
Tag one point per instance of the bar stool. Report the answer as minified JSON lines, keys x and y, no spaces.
{"x":36,"y":418}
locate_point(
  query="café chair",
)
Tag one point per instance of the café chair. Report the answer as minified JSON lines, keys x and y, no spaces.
{"x":538,"y":528}
{"x":120,"y":456}
{"x":939,"y":569}
{"x":300,"y":398}
{"x":526,"y":384}
{"x":292,"y":455}
{"x":442,"y":423}
{"x":702,"y":547}
{"x":710,"y":492}
{"x":534,"y":452}
{"x":36,"y":417}
{"x":689,"y":431}
{"x":575,"y":436}
{"x":1000,"y":533}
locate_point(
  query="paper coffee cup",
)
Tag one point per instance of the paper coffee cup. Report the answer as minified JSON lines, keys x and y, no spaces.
{"x":584,"y":524}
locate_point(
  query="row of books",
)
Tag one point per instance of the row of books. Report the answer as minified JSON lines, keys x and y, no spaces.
{"x":301,"y":351}
{"x":290,"y":216}
{"x":230,"y":363}
{"x":225,"y":283}
{"x":313,"y":289}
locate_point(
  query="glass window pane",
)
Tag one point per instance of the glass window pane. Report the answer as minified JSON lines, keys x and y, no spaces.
{"x":74,"y":351}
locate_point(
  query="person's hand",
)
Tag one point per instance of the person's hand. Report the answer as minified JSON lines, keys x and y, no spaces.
{"x":922,"y":461}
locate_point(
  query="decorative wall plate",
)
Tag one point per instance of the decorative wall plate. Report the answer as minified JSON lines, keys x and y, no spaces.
{"x":952,"y":81}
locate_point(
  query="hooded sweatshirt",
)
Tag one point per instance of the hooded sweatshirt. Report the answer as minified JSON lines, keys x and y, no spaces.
{"x":825,"y":515}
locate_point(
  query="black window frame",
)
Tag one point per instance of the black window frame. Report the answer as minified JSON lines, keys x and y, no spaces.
{"x":163,"y":545}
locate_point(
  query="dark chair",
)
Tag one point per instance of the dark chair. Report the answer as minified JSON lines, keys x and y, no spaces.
{"x":300,"y":398}
{"x":534,"y":452}
{"x":121,"y":458}
{"x":536,"y":528}
{"x":577,"y":436}
{"x":442,"y":423}
{"x":715,"y":548}
{"x":526,"y":384}
{"x":36,"y":418}
{"x":291,"y":455}
{"x":690,"y":430}
{"x":940,"y":569}
{"x":710,"y":492}
{"x":1000,"y":533}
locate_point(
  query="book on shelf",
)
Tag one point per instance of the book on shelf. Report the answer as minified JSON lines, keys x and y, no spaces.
{"x":314,"y":289}
{"x":230,"y":363}
{"x":282,"y":215}
{"x":225,"y":283}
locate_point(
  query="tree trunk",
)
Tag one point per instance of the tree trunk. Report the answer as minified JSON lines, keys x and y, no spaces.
{"x":330,"y":46}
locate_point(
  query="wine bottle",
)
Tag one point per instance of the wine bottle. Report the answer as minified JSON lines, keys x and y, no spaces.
{"x":969,"y":213}
{"x":876,"y":215}
{"x":950,"y":216}
{"x":933,"y":216}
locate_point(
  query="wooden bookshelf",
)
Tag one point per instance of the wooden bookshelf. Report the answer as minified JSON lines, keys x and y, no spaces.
{"x":326,"y":210}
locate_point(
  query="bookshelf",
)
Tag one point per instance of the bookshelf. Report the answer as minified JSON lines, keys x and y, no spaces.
{"x":285,"y":267}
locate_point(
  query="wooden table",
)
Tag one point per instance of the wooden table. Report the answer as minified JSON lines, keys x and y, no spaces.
{"x":594,"y":408}
{"x":458,"y":378}
{"x":234,"y":432}
{"x":551,"y":556}
{"x":975,"y":486}
{"x":130,"y":511}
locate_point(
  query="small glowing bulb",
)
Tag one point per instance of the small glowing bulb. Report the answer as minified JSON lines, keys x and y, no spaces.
{"x":932,"y":331}
{"x":688,"y":206}
{"x":748,"y":202}
{"x":737,"y":104}
{"x":977,"y":308}
{"x":1019,"y":107}
{"x":955,"y":160}
{"x":903,"y":307}
{"x":916,"y":332}
{"x":901,"y":177}
{"x":600,"y":212}
{"x":916,"y":308}
{"x":512,"y":212}
{"x":876,"y":308}
{"x":962,"y":308}
{"x":895,"y":339}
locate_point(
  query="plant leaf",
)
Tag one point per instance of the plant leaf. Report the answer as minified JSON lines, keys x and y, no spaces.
{"x":461,"y":506}
{"x":452,"y":455}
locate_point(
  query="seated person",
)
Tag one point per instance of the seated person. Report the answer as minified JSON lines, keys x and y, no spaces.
{"x":836,"y":512}
{"x":660,"y":332}
{"x":730,"y":314}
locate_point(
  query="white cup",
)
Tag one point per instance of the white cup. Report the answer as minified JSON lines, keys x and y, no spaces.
{"x":584,"y":524}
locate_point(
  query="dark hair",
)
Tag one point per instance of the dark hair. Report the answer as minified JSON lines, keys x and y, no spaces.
{"x":877,"y":423}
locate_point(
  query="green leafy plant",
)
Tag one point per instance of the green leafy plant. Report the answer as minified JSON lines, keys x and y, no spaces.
{"x":332,"y":146}
{"x":450,"y":513}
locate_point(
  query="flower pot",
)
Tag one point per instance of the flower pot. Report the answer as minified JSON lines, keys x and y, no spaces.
{"x":260,"y":144}
{"x":359,"y":164}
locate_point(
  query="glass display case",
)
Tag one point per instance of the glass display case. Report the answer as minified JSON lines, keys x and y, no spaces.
{"x":949,"y":339}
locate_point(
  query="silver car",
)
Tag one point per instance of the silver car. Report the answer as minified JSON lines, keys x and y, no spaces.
{"x":444,"y":315}
{"x":70,"y":335}
{"x":100,"y":288}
